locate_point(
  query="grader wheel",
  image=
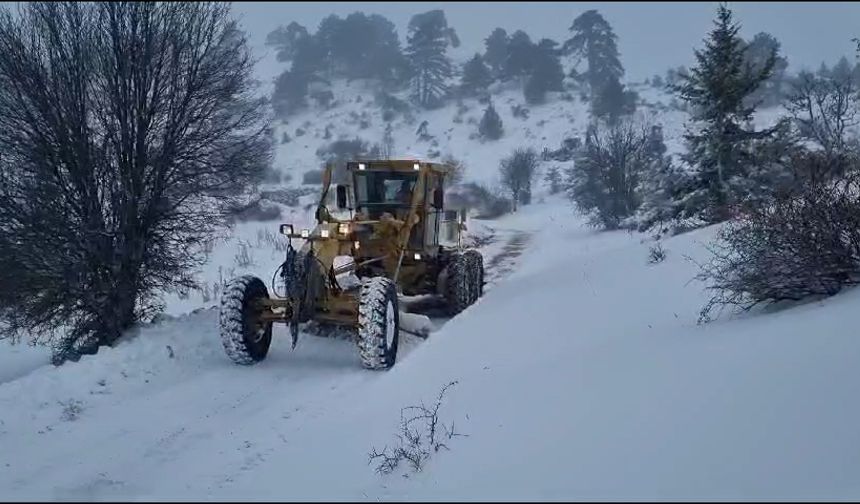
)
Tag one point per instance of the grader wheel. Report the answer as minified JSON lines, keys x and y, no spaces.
{"x":245,"y":337}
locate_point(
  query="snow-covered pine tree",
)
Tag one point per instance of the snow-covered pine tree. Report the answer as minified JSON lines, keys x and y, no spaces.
{"x":476,"y":77}
{"x":520,"y":56}
{"x":490,"y":126}
{"x":756,"y":54}
{"x":594,"y":40}
{"x":427,"y":45}
{"x":547,"y":73}
{"x":496,"y":52}
{"x":553,"y":179}
{"x":721,"y":144}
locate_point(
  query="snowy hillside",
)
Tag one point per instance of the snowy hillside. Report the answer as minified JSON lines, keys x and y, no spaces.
{"x":580,"y":374}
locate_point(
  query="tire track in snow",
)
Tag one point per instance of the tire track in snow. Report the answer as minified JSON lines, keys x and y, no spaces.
{"x":504,"y":263}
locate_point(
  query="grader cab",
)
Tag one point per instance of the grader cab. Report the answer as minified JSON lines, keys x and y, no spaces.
{"x":384,"y":236}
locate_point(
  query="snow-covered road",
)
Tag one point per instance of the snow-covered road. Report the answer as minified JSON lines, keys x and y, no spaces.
{"x":580,"y":375}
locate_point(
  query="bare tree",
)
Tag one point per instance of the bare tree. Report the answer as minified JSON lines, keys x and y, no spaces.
{"x":518,"y":170}
{"x":824,"y":110}
{"x":126,"y":128}
{"x":604,"y":180}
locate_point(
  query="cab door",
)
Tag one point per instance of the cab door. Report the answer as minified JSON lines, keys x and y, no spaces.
{"x":434,"y":215}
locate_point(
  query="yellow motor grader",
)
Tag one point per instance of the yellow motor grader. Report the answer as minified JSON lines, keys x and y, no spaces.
{"x":385,"y":238}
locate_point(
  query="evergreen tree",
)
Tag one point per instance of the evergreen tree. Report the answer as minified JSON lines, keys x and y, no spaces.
{"x":491,"y":124}
{"x":285,"y":39}
{"x":291,"y":88}
{"x":664,"y":187}
{"x":553,"y":180}
{"x":476,"y":77}
{"x":427,"y":44}
{"x":613,"y":101}
{"x":721,"y":145}
{"x":547,"y":73}
{"x":520,"y":60}
{"x":757,"y":54}
{"x":496,"y":53}
{"x":594,"y":40}
{"x":842,"y":70}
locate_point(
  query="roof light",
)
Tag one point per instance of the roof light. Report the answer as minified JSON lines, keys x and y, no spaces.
{"x":324,"y":233}
{"x":417,"y":256}
{"x":306,"y":233}
{"x":356,"y":244}
{"x":416,"y":166}
{"x":343,"y":229}
{"x":361,"y":166}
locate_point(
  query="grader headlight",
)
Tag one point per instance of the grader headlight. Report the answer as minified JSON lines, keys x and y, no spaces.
{"x":343,"y":229}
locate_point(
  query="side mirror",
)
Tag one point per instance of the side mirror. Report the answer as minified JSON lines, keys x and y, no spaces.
{"x":341,"y":196}
{"x":438,"y":198}
{"x":286,"y":229}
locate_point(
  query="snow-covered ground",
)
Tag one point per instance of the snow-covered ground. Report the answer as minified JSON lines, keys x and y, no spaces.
{"x":581,"y":374}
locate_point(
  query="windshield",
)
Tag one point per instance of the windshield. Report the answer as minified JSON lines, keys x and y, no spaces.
{"x":376,"y":189}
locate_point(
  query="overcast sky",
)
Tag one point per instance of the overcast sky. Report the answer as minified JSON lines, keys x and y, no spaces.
{"x":652,"y":36}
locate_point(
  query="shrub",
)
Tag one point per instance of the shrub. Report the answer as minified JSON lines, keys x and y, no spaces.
{"x":517,"y":172}
{"x":656,"y":253}
{"x":520,"y":111}
{"x":799,"y":245}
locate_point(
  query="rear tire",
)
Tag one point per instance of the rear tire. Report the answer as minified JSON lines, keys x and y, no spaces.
{"x":378,"y":323}
{"x":476,"y":269}
{"x":246,"y":340}
{"x":458,"y":284}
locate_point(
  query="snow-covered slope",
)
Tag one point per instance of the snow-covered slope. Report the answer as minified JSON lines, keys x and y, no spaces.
{"x":581,"y":374}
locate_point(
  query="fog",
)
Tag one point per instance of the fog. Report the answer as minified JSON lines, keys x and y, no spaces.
{"x":652,"y":36}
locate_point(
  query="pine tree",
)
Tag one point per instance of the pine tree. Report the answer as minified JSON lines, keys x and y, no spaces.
{"x":721,"y":146}
{"x":757,"y":54}
{"x":613,"y":101}
{"x":291,"y":88}
{"x":427,"y":44}
{"x":476,"y":77}
{"x":285,"y":39}
{"x":491,"y":124}
{"x":547,"y":73}
{"x":553,"y":180}
{"x":594,"y":40}
{"x":520,"y":60}
{"x":496,"y":53}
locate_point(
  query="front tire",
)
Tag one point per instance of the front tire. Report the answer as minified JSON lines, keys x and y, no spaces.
{"x":378,"y":323}
{"x":245,"y":337}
